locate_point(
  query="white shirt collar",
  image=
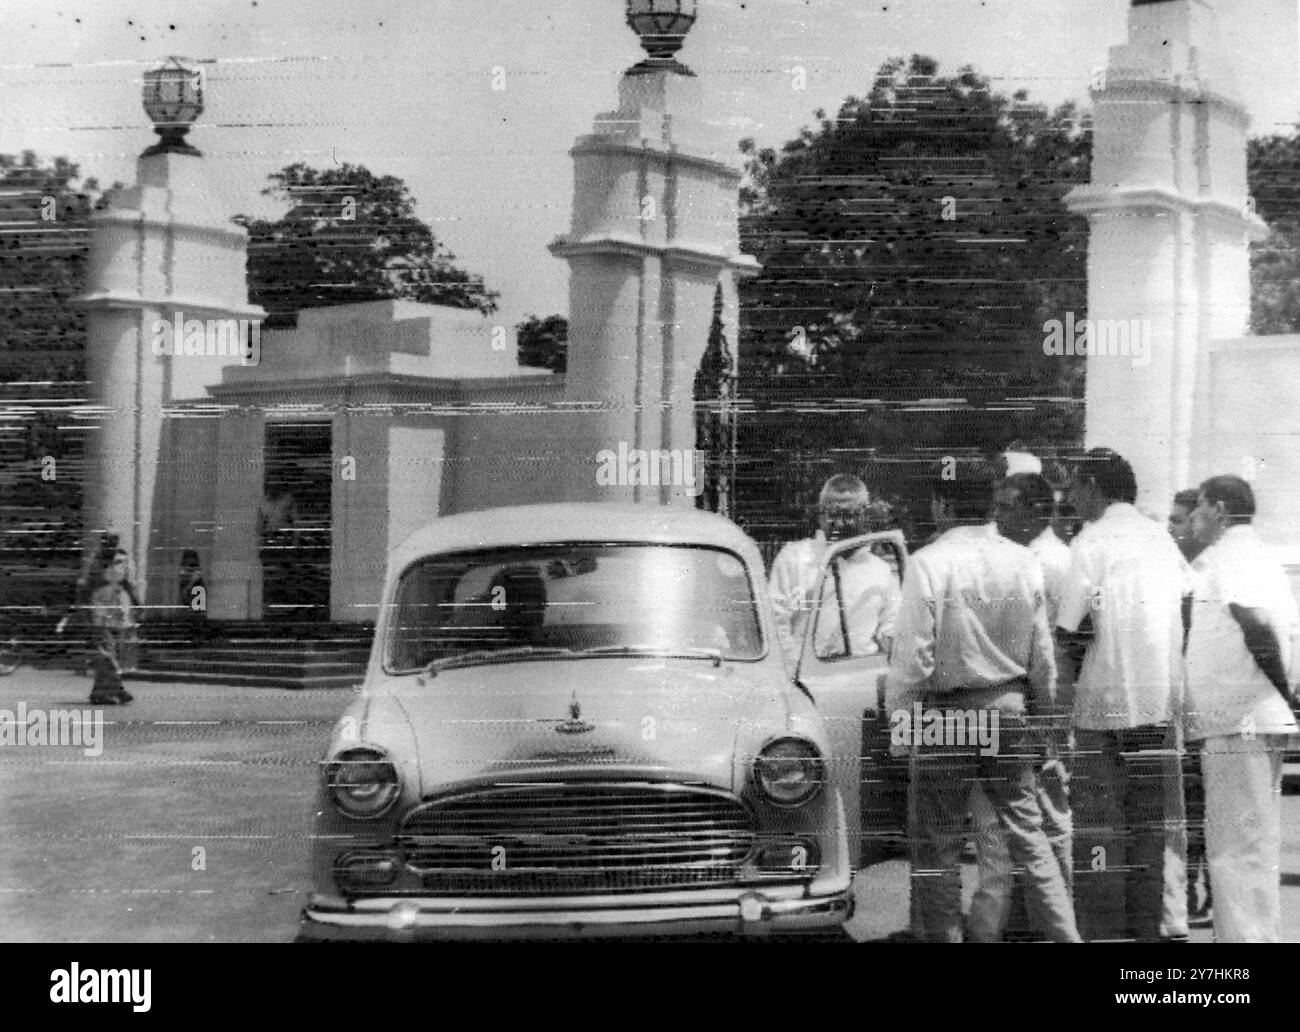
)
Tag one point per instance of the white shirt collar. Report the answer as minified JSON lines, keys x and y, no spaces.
{"x":1231,"y":535}
{"x":1119,"y":510}
{"x":972,"y":530}
{"x":1048,"y":536}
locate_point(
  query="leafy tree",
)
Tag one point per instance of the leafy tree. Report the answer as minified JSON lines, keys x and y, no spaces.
{"x":544,"y":343}
{"x":44,"y":247}
{"x":715,"y":415}
{"x":349,"y":236}
{"x":1273,"y":172}
{"x":913,"y":246}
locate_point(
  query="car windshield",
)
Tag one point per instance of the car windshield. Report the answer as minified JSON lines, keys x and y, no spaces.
{"x":585,"y":599}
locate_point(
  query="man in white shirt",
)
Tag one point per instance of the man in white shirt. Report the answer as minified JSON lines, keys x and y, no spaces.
{"x":870,"y":588}
{"x":1127,"y":579}
{"x":973,"y":648}
{"x":1239,"y":703}
{"x":1023,"y":511}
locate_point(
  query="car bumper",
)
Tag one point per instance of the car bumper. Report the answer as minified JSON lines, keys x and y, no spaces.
{"x":755,"y":912}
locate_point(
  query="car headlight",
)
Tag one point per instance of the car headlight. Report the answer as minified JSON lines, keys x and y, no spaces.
{"x":789,"y":771}
{"x":363,"y":782}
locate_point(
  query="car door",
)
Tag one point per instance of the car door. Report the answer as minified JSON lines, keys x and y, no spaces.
{"x":844,"y":672}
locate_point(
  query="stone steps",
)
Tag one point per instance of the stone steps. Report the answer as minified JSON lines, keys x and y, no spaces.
{"x":285,"y":665}
{"x":245,"y":654}
{"x":267,"y":655}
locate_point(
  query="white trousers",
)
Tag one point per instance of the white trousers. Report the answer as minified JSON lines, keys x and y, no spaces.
{"x":1243,"y":835}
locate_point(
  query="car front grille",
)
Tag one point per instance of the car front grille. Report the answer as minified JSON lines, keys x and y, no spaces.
{"x":572,"y":838}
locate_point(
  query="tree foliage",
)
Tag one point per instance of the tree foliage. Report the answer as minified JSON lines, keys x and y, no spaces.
{"x":45,"y":212}
{"x":44,"y":246}
{"x":543,"y":343}
{"x":1273,"y":172}
{"x":349,"y":236}
{"x":913,"y":246}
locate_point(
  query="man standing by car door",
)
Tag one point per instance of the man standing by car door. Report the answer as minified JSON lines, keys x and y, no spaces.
{"x":1123,"y":598}
{"x":869,"y":587}
{"x":1239,"y":704}
{"x":973,"y":645}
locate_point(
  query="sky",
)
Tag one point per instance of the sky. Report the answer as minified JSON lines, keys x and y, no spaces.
{"x":405,"y":88}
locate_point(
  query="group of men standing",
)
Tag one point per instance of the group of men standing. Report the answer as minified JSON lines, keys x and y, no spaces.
{"x":1107,"y":663}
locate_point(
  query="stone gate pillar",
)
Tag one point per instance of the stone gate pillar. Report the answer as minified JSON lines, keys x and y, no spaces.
{"x":654,"y":232}
{"x":1170,"y":228}
{"x":167,"y":309}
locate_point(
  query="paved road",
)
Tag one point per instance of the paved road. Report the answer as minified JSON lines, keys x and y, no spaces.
{"x":192,"y":823}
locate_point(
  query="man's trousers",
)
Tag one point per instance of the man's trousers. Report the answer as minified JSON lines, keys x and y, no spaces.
{"x":943,"y":775}
{"x":1130,"y":834}
{"x":1243,"y":834}
{"x":998,"y":903}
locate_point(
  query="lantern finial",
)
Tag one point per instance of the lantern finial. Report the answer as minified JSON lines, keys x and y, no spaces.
{"x":662,"y":26}
{"x":173,"y":99}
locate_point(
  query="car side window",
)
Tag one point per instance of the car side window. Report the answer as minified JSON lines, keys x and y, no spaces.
{"x":859,"y":605}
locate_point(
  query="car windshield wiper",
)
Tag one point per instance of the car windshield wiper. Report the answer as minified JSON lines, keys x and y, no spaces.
{"x":688,"y":652}
{"x":431,"y":668}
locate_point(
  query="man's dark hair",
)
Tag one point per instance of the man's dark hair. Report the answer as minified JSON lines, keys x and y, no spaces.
{"x":1110,"y":472}
{"x":1033,"y":489}
{"x":969,"y":489}
{"x":1236,"y":495}
{"x":1186,"y":499}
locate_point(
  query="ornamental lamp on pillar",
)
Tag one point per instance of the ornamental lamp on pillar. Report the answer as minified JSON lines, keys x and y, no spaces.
{"x":652,"y":240}
{"x":173,"y":99}
{"x":163,"y":253}
{"x":662,"y":26}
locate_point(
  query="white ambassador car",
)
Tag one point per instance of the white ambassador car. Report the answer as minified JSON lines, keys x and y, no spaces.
{"x":577,"y":721}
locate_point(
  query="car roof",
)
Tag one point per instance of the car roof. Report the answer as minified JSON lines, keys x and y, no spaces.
{"x":542,"y":524}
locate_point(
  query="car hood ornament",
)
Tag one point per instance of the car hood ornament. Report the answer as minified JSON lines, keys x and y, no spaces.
{"x":575,"y":725}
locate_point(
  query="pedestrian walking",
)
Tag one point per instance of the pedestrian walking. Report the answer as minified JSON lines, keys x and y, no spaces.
{"x":77,"y":624}
{"x":112,"y":621}
{"x":1240,"y":707}
{"x":973,"y":646}
{"x":1122,"y":598}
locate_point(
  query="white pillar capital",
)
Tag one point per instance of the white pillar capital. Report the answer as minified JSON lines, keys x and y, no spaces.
{"x":1170,"y":223}
{"x":654,"y":233}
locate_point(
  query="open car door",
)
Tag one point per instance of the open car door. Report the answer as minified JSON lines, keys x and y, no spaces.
{"x":843,"y":667}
